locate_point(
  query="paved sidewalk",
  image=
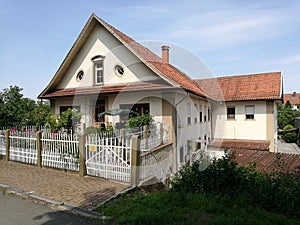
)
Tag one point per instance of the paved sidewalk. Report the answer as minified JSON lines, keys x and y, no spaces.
{"x":66,"y":187}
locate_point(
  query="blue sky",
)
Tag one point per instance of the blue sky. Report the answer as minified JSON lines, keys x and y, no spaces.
{"x":229,"y":37}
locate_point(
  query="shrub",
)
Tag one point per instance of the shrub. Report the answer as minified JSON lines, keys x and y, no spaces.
{"x":287,"y":127}
{"x":91,"y":130}
{"x":275,"y":192}
{"x":139,"y":121}
{"x":290,"y":137}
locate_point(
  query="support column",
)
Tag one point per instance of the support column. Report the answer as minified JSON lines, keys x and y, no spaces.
{"x":82,"y":158}
{"x":135,"y":160}
{"x":39,"y":148}
{"x":7,"y":140}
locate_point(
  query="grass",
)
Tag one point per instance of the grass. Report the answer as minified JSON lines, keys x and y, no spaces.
{"x":186,"y":208}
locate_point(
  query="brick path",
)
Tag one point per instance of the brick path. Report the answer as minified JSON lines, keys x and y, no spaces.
{"x":67,"y":187}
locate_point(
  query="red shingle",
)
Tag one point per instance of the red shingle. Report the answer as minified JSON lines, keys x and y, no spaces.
{"x":264,"y":86}
{"x":267,"y":162}
{"x":260,"y":145}
{"x":130,"y":87}
{"x":294,"y":100}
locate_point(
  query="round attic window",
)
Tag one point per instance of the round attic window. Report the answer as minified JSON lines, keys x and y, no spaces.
{"x":119,"y":70}
{"x":79,"y":75}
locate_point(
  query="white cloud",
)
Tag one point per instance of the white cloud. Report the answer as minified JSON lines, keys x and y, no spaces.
{"x":287,"y":60}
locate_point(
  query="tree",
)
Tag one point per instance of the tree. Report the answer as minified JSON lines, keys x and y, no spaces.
{"x":15,"y":110}
{"x":286,"y":115}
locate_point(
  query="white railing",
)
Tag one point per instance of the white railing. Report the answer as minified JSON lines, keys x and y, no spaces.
{"x":109,"y":157}
{"x":60,"y":151}
{"x":23,"y":147}
{"x":156,"y":135}
{"x":151,"y":166}
{"x":2,"y":142}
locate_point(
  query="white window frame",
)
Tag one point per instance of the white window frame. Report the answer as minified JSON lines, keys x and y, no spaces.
{"x":195,"y":113}
{"x":249,"y":112}
{"x":98,"y":77}
{"x":189,"y":112}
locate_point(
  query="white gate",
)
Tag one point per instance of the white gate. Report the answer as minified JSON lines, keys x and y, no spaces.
{"x":108,"y":157}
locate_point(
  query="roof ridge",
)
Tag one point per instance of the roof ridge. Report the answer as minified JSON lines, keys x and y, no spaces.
{"x":241,"y":75}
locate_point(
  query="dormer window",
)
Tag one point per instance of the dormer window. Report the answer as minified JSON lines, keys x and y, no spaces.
{"x":98,"y":69}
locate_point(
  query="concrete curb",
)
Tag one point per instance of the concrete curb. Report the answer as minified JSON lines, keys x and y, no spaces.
{"x":58,"y":205}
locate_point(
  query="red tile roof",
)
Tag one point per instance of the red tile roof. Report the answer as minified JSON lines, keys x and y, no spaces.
{"x":294,"y":99}
{"x":231,"y":144}
{"x":130,"y":87}
{"x":152,"y":60}
{"x":264,"y":86}
{"x":267,"y":162}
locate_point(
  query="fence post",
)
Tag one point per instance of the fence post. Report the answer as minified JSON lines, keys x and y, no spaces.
{"x":122,"y":136}
{"x":39,"y":148}
{"x":145,"y":136}
{"x":135,"y":159}
{"x":82,"y":159}
{"x":7,"y":140}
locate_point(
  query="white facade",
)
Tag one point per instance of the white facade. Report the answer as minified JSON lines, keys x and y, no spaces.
{"x":103,"y":43}
{"x":240,"y":127}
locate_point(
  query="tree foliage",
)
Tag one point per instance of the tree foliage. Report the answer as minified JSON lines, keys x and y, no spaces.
{"x":66,"y":121}
{"x":286,"y":115}
{"x":18,"y":110}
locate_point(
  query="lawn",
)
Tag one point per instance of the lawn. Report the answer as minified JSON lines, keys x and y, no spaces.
{"x":166,"y":208}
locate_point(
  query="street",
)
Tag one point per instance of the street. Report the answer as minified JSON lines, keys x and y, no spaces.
{"x":18,"y":211}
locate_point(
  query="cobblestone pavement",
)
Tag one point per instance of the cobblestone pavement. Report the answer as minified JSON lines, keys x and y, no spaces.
{"x":67,"y":187}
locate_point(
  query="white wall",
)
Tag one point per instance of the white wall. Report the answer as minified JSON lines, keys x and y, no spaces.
{"x":240,"y":128}
{"x":194,"y":131}
{"x":101,"y":42}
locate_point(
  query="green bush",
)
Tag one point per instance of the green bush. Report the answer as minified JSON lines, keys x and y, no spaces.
{"x":139,"y":121}
{"x":91,"y":130}
{"x":290,"y":137}
{"x":275,"y":192}
{"x":288,"y":127}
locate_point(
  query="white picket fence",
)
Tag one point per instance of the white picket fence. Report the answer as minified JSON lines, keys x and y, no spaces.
{"x":108,"y":155}
{"x":2,"y":142}
{"x":60,"y":150}
{"x":23,"y":147}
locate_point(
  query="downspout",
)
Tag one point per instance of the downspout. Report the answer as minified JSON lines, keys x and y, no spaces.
{"x":176,"y":127}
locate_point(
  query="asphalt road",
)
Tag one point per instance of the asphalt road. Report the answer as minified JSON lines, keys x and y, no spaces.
{"x":18,"y":211}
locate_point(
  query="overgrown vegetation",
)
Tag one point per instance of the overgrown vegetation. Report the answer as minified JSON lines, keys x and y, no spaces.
{"x":223,"y":193}
{"x":275,"y":192}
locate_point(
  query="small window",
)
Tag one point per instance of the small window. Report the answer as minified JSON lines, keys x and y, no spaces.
{"x":79,"y":75}
{"x":200,"y":114}
{"x":208,"y":114}
{"x":231,"y":113}
{"x":249,"y":112}
{"x":181,"y":154}
{"x":205,"y":113}
{"x":195,"y":113}
{"x":189,"y":110}
{"x":119,"y":70}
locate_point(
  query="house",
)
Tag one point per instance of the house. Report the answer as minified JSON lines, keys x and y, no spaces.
{"x":293,"y":98}
{"x":105,"y":69}
{"x":246,"y":108}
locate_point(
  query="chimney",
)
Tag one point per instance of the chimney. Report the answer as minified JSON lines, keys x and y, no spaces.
{"x":165,"y":53}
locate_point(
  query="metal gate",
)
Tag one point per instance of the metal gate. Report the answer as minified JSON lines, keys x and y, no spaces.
{"x":108,"y":158}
